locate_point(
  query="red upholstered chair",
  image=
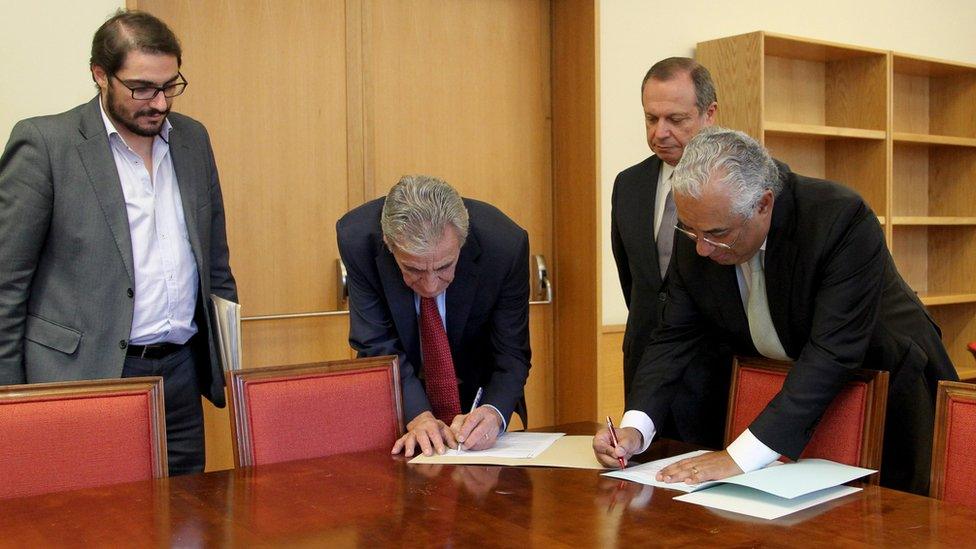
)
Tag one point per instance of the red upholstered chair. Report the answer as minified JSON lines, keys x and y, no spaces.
{"x":953,"y":447}
{"x":79,"y":434}
{"x":851,"y":430}
{"x":283,"y":413}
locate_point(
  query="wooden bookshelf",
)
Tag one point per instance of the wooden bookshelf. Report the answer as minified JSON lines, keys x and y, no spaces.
{"x":900,"y":129}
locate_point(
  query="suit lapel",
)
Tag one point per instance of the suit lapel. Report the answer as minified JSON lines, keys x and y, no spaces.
{"x":462,"y":291}
{"x":185,"y":165}
{"x":645,"y":205}
{"x":400,"y":299}
{"x":104,"y":179}
{"x":780,"y":261}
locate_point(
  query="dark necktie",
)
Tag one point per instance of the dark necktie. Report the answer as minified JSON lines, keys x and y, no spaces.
{"x":665,"y":234}
{"x":439,"y":377}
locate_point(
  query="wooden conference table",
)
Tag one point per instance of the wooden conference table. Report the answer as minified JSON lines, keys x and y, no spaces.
{"x":374,"y":499}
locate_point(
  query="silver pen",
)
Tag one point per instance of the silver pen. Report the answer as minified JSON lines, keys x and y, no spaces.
{"x":474,"y":404}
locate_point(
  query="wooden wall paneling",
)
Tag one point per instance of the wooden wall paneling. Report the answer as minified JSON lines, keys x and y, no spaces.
{"x":576,"y":208}
{"x":909,"y":247}
{"x":952,"y":191}
{"x":953,"y":104}
{"x":804,"y":155}
{"x":272,"y":91}
{"x":910,"y":103}
{"x":460,"y":90}
{"x":958,"y":243}
{"x":910,"y":180}
{"x":739,"y":102}
{"x":958,"y":323}
{"x":861,"y":164}
{"x":856,"y":92}
{"x":610,"y":399}
{"x":794,"y":91}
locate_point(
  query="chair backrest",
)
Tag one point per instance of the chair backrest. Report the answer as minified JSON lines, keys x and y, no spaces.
{"x":283,"y":413}
{"x":79,"y":434}
{"x":852,"y":428}
{"x":953,"y":458}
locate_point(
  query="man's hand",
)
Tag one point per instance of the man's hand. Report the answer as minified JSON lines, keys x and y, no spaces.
{"x":478,"y":430}
{"x":710,"y":466}
{"x":629,"y":441}
{"x":430,"y":433}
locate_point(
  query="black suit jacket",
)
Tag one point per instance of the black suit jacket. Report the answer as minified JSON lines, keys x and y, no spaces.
{"x":837,"y":302}
{"x":487,"y":307}
{"x":697,"y":415}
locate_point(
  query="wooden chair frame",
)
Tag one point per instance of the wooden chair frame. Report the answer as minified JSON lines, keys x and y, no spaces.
{"x":151,"y":385}
{"x":876,"y":400}
{"x":240,"y":422}
{"x":947,"y":390}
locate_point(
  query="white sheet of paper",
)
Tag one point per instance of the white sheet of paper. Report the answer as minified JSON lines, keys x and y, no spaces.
{"x":645,"y":473}
{"x":785,"y":480}
{"x":752,"y":502}
{"x":573,"y":451}
{"x":514,"y":445}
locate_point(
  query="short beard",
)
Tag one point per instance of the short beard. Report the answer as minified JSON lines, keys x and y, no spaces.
{"x":118,"y":117}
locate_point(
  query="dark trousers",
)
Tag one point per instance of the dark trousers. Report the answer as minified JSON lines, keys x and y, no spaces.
{"x":184,"y":411}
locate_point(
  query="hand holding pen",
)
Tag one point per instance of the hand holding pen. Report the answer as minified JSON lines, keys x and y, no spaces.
{"x":613,"y":440}
{"x":479,"y":429}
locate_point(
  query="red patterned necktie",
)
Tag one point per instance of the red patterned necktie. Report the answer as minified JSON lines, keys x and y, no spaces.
{"x":439,"y":377}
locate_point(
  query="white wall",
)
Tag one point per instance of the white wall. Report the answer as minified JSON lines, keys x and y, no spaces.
{"x":44,"y":51}
{"x":636,"y":33}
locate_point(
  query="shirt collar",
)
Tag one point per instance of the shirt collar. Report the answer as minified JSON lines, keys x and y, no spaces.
{"x":110,"y":126}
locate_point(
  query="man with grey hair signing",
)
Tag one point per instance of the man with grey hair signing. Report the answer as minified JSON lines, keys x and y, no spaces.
{"x":791,"y":268}
{"x":443,"y":283}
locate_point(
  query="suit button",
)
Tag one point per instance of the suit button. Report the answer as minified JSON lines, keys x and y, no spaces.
{"x":662,"y":296}
{"x":123,"y":344}
{"x":129,"y":292}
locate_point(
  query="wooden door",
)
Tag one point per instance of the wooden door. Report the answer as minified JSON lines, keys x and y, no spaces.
{"x":316,"y":106}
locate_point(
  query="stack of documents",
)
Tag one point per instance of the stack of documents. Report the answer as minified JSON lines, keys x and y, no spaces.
{"x":775,"y":491}
{"x":526,"y":449}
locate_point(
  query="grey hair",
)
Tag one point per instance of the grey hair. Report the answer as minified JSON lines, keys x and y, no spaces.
{"x":416,"y":212}
{"x":740,"y":163}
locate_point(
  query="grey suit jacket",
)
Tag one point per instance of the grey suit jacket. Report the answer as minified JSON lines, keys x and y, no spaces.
{"x":66,"y":274}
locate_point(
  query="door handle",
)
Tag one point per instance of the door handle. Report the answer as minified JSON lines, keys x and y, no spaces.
{"x":342,"y":288}
{"x":541,"y":286}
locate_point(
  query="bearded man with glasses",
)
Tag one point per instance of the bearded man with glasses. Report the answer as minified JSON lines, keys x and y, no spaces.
{"x":113,"y":236}
{"x":788,"y":267}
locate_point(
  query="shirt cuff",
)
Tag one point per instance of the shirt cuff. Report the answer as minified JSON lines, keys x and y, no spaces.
{"x":749,"y":453}
{"x":642,"y":422}
{"x":504,"y":423}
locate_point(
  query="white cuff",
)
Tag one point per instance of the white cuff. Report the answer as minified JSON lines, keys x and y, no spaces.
{"x":504,"y":423}
{"x":749,"y":453}
{"x":642,"y":422}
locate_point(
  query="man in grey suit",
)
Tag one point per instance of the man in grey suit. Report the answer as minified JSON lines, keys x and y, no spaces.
{"x":113,"y":236}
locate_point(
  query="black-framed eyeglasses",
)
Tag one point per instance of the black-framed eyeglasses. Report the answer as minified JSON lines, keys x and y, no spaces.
{"x":694,"y":237}
{"x":144,"y":93}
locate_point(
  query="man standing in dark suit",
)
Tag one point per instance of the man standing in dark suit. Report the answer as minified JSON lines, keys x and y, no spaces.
{"x":679,"y":100}
{"x":443,"y":283}
{"x":787,"y":267}
{"x":113,"y":237}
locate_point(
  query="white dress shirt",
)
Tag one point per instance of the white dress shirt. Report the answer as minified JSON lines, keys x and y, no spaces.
{"x":165,"y":271}
{"x":747,"y":451}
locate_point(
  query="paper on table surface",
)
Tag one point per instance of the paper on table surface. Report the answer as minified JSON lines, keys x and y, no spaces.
{"x":786,"y":480}
{"x":572,"y":451}
{"x":645,"y":473}
{"x":748,"y":501}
